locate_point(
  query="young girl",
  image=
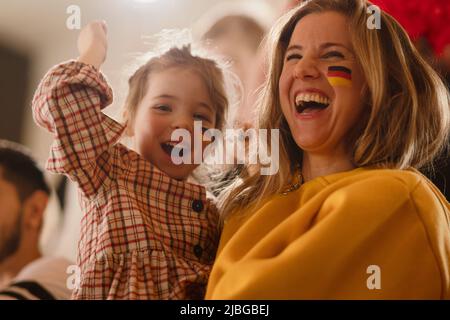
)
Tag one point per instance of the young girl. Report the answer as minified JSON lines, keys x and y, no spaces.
{"x":146,"y":232}
{"x":348,"y":216}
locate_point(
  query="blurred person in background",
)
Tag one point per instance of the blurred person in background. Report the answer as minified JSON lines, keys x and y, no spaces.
{"x":236,"y":32}
{"x":24,"y":273}
{"x":237,"y":37}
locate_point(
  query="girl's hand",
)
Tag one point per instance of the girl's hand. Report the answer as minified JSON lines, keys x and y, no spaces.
{"x":291,"y":4}
{"x":93,"y":44}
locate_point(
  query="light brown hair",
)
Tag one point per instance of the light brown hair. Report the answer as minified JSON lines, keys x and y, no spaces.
{"x":208,"y":69}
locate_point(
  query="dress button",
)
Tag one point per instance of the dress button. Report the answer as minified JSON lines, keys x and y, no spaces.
{"x":198,"y":250}
{"x":197,"y":205}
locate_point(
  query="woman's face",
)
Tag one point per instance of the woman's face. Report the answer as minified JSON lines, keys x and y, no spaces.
{"x":321,"y":84}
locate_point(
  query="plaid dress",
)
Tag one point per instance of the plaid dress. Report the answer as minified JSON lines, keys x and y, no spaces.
{"x":144,"y":235}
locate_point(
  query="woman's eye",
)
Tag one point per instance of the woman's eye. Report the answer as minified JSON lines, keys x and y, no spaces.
{"x":163,"y":107}
{"x":293,"y":56}
{"x":333,"y":54}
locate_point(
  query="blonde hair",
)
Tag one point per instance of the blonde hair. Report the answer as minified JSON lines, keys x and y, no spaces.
{"x":407,"y":120}
{"x":209,"y":69}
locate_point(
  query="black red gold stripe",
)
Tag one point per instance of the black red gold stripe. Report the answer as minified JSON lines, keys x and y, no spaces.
{"x":339,"y":76}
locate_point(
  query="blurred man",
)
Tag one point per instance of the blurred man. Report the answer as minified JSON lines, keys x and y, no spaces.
{"x":24,"y":273}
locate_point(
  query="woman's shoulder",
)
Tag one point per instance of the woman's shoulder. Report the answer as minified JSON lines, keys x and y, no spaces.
{"x":398,"y":194}
{"x":409,"y":178}
{"x":410,"y":183}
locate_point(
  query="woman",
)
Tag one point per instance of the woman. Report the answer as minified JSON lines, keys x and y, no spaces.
{"x":348,"y":216}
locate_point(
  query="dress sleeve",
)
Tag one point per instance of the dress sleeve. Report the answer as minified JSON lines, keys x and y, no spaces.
{"x":68,"y":104}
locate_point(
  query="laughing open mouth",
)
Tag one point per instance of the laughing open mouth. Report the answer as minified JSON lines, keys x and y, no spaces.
{"x":307,"y":102}
{"x":169,"y":146}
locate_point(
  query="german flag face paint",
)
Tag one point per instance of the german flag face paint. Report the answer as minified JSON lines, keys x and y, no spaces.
{"x":339,"y":76}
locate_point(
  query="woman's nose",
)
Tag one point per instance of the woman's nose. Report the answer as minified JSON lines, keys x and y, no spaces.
{"x":306,"y":68}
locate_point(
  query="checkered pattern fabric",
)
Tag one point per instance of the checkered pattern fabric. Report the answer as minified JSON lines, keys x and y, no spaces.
{"x":143,"y":234}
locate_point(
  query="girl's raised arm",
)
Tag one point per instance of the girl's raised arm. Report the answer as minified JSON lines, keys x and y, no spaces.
{"x":68,"y":104}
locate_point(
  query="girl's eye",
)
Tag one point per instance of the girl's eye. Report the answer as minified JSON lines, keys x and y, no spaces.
{"x":333,"y":54}
{"x":293,"y":56}
{"x":200,"y":117}
{"x":163,"y":107}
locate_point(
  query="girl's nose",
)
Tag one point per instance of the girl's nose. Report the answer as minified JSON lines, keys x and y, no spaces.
{"x":183,"y":122}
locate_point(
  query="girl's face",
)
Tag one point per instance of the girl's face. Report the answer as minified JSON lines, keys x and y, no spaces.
{"x":175,"y":98}
{"x":321,"y":84}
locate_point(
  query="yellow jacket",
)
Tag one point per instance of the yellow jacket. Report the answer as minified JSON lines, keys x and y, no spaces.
{"x":361,"y":234}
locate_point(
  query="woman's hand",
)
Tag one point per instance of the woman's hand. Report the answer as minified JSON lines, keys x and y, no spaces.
{"x":93,"y":44}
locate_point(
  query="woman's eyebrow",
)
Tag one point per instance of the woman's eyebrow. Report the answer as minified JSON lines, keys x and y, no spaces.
{"x":322,"y":46}
{"x":326,"y":45}
{"x":294,"y":47}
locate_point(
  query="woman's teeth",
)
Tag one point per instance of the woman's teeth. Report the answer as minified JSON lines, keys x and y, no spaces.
{"x":308,"y":102}
{"x":314,"y":97}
